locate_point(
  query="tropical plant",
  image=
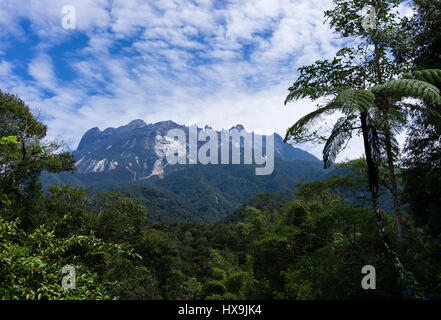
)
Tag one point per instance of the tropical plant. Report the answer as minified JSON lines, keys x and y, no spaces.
{"x":365,"y":103}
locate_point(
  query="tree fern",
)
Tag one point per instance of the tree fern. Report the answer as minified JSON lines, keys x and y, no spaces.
{"x":432,"y":76}
{"x":347,"y":101}
{"x":299,"y":129}
{"x":388,"y":128}
{"x":408,"y":88}
{"x":353,"y":100}
{"x":306,"y":92}
{"x":340,"y":135}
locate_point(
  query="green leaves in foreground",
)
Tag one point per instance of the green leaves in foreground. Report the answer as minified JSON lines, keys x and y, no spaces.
{"x":298,"y":132}
{"x":347,"y":101}
{"x":350,"y":101}
{"x":432,"y":76}
{"x":353,"y":102}
{"x":411,"y":88}
{"x":31,"y":263}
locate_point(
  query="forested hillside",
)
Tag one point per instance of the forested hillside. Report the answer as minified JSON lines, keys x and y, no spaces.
{"x":221,"y":232}
{"x":131,"y":160}
{"x":205,"y":193}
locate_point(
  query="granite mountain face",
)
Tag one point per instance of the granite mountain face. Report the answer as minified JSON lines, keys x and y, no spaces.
{"x":132,"y":160}
{"x":138,"y":150}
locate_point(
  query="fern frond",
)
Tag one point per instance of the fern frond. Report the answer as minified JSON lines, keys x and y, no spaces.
{"x":341,"y":133}
{"x":409,"y":88}
{"x":433,"y":116}
{"x":355,"y":100}
{"x":308,"y":92}
{"x":299,"y":128}
{"x":432,"y":76}
{"x":348,"y":101}
{"x":385,"y":139}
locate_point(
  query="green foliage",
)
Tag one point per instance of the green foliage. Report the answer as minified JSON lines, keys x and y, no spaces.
{"x":31,"y":264}
{"x":119,"y":219}
{"x":193,"y":288}
{"x":24,"y":155}
{"x":308,"y":245}
{"x":341,"y":133}
{"x":346,"y":16}
{"x":413,"y":288}
{"x":328,"y":78}
{"x":298,"y":132}
{"x":421,"y":43}
{"x":354,"y":100}
{"x":372,"y":107}
{"x":422,"y":176}
{"x":10,"y":140}
{"x":432,"y":76}
{"x":409,"y":88}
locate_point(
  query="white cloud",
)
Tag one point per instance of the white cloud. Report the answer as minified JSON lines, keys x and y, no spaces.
{"x":41,"y":69}
{"x":5,"y":69}
{"x":201,"y":62}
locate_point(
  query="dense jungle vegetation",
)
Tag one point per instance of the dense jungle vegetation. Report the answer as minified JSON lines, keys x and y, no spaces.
{"x":309,"y":244}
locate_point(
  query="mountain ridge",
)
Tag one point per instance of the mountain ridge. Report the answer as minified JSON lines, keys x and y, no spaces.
{"x":130,"y":160}
{"x":140,"y":148}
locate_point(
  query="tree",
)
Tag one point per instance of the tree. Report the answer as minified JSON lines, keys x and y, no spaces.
{"x":420,"y":44}
{"x":31,"y":263}
{"x":384,"y":37}
{"x":120,"y":220}
{"x":355,"y":81}
{"x":24,"y":155}
{"x":422,"y":174}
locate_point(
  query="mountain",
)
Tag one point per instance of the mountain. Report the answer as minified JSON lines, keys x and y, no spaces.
{"x":215,"y":191}
{"x":132,"y":160}
{"x":138,"y":150}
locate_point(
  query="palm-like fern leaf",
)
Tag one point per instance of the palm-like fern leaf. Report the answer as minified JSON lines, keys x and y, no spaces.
{"x":306,"y":92}
{"x":355,"y":100}
{"x":433,"y":116}
{"x":299,"y":128}
{"x":408,"y":88}
{"x":347,"y":101}
{"x":341,"y":133}
{"x":432,"y":76}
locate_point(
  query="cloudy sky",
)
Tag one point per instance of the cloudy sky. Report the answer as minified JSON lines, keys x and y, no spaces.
{"x":208,"y":62}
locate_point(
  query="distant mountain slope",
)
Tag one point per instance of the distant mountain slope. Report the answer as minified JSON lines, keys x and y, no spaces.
{"x":163,"y":206}
{"x":199,"y":193}
{"x":131,"y":159}
{"x":139,"y":149}
{"x":216,"y":190}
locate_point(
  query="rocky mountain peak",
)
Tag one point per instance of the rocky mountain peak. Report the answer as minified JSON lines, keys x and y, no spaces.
{"x":138,"y":123}
{"x":138,"y":149}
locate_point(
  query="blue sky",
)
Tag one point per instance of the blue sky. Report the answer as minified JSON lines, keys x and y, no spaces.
{"x":191,"y":61}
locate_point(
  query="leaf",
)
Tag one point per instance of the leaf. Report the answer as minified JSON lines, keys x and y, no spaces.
{"x":432,"y":76}
{"x":299,"y":128}
{"x":340,"y":134}
{"x":409,"y":88}
{"x":352,"y":100}
{"x":308,"y":92}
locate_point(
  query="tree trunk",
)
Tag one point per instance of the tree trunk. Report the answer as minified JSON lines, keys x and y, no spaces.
{"x":394,"y":188}
{"x":384,"y":107}
{"x":372,"y":169}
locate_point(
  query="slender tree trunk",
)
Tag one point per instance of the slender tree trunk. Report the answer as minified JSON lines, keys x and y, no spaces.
{"x":394,"y":188}
{"x":374,"y":186}
{"x":384,"y":107}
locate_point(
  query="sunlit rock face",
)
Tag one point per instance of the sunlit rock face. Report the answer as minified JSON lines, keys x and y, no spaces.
{"x":139,"y":150}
